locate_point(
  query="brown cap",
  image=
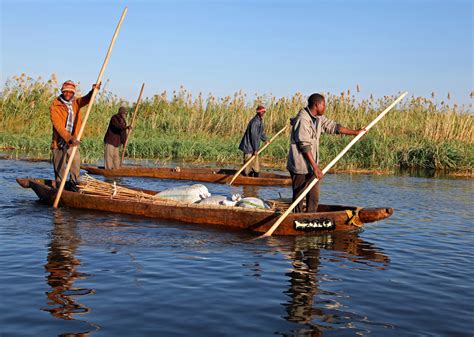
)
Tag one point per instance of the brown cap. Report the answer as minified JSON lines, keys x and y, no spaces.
{"x":68,"y":86}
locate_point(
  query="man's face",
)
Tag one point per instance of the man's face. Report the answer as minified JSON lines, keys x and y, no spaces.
{"x":261,"y":113}
{"x":68,"y":95}
{"x":320,"y":108}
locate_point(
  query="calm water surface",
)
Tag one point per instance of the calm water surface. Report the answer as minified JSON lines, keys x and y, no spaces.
{"x":71,"y":273}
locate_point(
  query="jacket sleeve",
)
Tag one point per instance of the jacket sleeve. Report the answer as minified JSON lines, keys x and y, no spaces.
{"x":263,"y":136}
{"x":303,"y":133}
{"x":118,"y":124}
{"x":329,"y":126}
{"x":254,"y":136}
{"x":84,"y":100}
{"x":58,"y":125}
{"x":123,"y":137}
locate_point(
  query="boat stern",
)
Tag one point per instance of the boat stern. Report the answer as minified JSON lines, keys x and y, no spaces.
{"x":23,"y":182}
{"x":367,"y":215}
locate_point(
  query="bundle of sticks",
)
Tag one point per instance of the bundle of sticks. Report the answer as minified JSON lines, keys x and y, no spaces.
{"x":89,"y":185}
{"x":278,"y":204}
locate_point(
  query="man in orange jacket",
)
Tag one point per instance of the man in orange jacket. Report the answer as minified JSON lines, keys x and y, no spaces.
{"x":67,"y":120}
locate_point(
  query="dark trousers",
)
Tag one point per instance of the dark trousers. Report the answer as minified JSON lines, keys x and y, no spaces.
{"x":299,"y":182}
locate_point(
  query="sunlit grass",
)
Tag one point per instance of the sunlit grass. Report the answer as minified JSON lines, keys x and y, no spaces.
{"x":419,"y":133}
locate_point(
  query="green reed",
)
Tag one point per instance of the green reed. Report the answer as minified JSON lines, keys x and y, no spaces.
{"x":419,"y":133}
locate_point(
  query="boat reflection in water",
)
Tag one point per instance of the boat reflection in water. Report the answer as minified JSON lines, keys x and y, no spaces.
{"x":312,"y":307}
{"x":250,"y":190}
{"x":318,"y":310}
{"x":61,"y":268}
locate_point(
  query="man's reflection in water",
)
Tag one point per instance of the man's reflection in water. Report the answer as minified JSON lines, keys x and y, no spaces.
{"x":303,"y":284}
{"x":62,"y":271}
{"x":305,"y":275}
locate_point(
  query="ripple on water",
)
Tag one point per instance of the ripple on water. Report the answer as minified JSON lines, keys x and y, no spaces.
{"x":72,"y":272}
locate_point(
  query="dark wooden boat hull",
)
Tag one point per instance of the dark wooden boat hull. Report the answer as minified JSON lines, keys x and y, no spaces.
{"x":218,"y":176}
{"x":336,"y":218}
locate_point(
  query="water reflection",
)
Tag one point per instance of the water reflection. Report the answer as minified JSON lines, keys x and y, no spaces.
{"x":61,"y":267}
{"x":250,"y":190}
{"x":111,"y":180}
{"x":317,"y":309}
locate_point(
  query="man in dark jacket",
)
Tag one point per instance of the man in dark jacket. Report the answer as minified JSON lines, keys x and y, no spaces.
{"x":250,"y":142}
{"x":115,"y":136}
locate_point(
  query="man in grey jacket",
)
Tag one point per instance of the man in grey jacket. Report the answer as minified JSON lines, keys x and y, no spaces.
{"x":250,"y":143}
{"x":303,"y":157}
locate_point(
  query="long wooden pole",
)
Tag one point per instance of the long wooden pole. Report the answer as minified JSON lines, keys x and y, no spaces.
{"x":330,"y":165}
{"x":89,"y":107}
{"x":132,"y":124}
{"x":253,"y":157}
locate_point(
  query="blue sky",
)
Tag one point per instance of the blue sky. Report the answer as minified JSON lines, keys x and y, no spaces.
{"x":278,"y":47}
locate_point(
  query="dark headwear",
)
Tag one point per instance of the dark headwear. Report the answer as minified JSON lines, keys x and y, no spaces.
{"x":122,"y":110}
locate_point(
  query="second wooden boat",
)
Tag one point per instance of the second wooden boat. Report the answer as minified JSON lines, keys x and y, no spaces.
{"x":211,"y":175}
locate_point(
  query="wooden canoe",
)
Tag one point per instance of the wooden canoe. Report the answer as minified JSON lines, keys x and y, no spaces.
{"x":212,"y":175}
{"x":329,"y":219}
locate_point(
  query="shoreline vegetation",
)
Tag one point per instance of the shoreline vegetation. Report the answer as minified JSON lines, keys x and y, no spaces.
{"x":418,"y":135}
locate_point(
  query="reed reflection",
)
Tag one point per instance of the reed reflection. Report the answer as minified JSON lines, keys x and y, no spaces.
{"x":250,"y":190}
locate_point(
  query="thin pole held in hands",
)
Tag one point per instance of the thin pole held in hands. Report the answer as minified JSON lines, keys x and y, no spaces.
{"x":253,"y":157}
{"x":330,"y":165}
{"x":132,"y":124}
{"x":89,"y":107}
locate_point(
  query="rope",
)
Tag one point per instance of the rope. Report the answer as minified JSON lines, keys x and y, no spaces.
{"x":115,"y":189}
{"x":353,"y":216}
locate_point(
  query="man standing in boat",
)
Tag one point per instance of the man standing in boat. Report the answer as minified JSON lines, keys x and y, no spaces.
{"x":303,"y":158}
{"x":67,"y":120}
{"x":250,"y":143}
{"x":114,"y":137}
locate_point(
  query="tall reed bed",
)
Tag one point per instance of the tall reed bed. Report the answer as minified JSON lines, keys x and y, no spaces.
{"x":420,"y":133}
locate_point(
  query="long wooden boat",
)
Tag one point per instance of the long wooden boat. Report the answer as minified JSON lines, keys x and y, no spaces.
{"x":328,"y":219}
{"x":212,"y":175}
